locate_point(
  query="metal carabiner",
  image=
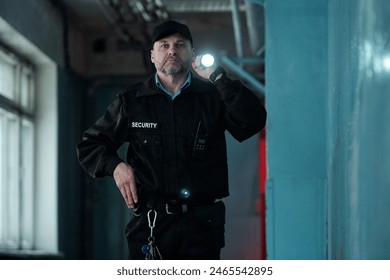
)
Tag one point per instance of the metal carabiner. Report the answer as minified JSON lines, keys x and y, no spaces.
{"x":152,"y":224}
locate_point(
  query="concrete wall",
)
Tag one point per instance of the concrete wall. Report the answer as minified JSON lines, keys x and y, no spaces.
{"x":34,"y":30}
{"x":296,"y":99}
{"x":359,"y":135}
{"x":328,"y":139}
{"x":39,"y":22}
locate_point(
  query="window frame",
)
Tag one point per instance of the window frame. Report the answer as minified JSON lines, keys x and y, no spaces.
{"x":17,"y":166}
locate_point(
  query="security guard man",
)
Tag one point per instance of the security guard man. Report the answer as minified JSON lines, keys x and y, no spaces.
{"x":176,"y":167}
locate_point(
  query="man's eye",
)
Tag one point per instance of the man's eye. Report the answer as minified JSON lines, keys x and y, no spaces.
{"x":180,"y":45}
{"x":164,"y":46}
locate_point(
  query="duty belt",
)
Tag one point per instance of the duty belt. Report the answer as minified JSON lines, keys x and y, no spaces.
{"x":175,"y":206}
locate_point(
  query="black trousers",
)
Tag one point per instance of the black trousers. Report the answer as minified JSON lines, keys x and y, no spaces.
{"x":195,"y":235}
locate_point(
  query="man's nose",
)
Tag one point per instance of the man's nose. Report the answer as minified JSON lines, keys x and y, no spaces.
{"x":172,"y":50}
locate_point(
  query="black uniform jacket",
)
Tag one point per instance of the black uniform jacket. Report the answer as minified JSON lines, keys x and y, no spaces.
{"x":174,"y":145}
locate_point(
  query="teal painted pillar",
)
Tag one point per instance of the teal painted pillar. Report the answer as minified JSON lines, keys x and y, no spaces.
{"x":296,"y":100}
{"x":359,"y":157}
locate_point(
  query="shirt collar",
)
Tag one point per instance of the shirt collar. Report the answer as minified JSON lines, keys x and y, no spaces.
{"x":174,"y":95}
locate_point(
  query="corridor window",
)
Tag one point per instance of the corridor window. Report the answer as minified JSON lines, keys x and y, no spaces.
{"x":17,"y":130}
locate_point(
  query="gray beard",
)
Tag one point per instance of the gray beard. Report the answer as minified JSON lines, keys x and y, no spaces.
{"x":172,"y":71}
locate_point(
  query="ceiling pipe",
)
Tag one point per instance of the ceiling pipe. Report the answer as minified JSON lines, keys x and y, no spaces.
{"x":250,"y":79}
{"x":255,"y":25}
{"x":254,"y":29}
{"x":237,"y":27}
{"x":199,"y":6}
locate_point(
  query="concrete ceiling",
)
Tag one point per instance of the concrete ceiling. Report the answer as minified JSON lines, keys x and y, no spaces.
{"x":214,"y":23}
{"x":94,"y":13}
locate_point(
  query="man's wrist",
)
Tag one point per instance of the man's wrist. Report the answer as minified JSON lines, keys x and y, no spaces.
{"x":112,"y":165}
{"x":218,"y":73}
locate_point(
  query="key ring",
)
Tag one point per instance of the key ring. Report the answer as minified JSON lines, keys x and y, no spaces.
{"x":150,"y":249}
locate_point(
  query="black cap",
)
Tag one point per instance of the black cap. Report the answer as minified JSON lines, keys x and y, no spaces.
{"x":171,"y":27}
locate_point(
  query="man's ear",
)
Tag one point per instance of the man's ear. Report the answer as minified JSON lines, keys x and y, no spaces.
{"x":152,"y":56}
{"x":193,"y":55}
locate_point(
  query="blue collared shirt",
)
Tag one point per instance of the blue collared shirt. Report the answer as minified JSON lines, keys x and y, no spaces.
{"x":173,"y":95}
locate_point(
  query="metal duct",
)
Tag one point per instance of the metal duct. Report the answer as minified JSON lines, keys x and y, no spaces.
{"x":237,"y":27}
{"x":255,"y":25}
{"x":193,"y":6}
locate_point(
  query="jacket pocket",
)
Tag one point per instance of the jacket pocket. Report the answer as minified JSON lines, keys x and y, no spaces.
{"x":150,"y":140}
{"x":146,"y":157}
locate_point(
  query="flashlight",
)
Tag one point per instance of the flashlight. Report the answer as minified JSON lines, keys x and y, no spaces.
{"x":184,"y":193}
{"x":207,"y":60}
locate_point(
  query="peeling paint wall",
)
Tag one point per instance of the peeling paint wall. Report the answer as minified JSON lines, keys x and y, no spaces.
{"x":328,"y":87}
{"x":359,"y":134}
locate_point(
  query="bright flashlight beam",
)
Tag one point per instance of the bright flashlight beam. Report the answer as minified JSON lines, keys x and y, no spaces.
{"x":207,"y":60}
{"x":386,"y":63}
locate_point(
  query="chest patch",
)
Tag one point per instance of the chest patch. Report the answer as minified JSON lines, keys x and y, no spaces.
{"x":148,"y":125}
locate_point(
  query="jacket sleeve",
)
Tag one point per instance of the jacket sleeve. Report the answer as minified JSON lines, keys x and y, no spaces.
{"x":245,"y":114}
{"x":97,"y":152}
